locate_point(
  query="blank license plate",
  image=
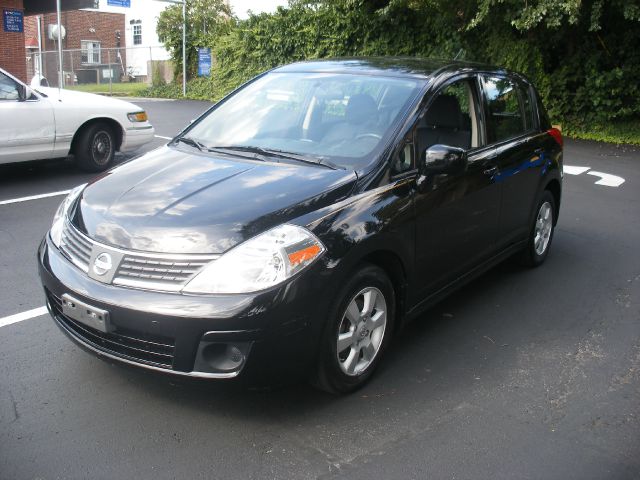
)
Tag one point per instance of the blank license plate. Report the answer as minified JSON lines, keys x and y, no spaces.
{"x":81,"y":312}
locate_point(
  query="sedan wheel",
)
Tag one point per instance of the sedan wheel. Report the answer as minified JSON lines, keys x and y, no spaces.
{"x":95,"y":148}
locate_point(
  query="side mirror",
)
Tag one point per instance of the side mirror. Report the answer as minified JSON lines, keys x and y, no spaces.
{"x":443,"y":159}
{"x":22,"y":92}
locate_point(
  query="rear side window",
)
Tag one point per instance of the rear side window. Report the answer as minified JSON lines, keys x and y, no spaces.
{"x":506,"y":119}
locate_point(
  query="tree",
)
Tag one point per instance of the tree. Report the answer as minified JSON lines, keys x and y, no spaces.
{"x":206,"y":21}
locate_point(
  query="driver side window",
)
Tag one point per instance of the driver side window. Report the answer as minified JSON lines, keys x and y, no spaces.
{"x":451,"y":119}
{"x":8,"y":88}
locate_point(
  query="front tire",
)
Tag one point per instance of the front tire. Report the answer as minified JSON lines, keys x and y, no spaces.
{"x":359,"y":330}
{"x":541,"y":231}
{"x":96,"y":148}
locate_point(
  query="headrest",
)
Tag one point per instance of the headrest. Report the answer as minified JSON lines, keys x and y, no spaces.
{"x":360,"y":109}
{"x":444,"y":112}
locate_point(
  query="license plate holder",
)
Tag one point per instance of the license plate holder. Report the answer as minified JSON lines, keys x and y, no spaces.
{"x":86,"y":314}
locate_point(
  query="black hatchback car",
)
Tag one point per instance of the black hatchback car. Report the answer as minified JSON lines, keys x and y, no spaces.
{"x":295,"y":225}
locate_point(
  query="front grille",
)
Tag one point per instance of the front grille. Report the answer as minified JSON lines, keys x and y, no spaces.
{"x":151,"y":271}
{"x":136,"y":346}
{"x":164,"y":273}
{"x":76,"y":247}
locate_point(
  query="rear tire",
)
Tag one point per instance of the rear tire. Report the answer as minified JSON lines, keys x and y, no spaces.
{"x":541,"y":231}
{"x":96,"y":148}
{"x":359,"y":330}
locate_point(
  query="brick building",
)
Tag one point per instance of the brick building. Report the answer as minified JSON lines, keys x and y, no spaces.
{"x":13,"y":55}
{"x":94,"y":45}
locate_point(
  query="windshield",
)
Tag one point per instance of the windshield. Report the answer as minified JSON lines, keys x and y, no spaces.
{"x":344,"y":119}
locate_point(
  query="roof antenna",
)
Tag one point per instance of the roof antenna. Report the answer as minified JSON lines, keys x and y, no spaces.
{"x":459,"y":54}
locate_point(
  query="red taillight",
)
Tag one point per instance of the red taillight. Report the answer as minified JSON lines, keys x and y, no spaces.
{"x":556,"y":134}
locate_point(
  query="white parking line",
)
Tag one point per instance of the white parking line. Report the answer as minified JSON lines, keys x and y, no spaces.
{"x":606,"y":179}
{"x":160,"y":136}
{"x":19,"y":317}
{"x":571,"y":170}
{"x":33,"y":197}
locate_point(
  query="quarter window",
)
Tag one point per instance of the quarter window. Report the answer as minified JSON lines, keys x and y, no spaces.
{"x":505,"y":111}
{"x":525,"y":94}
{"x":90,"y":54}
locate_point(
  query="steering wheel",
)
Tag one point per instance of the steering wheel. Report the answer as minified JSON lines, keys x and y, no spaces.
{"x":369,"y":135}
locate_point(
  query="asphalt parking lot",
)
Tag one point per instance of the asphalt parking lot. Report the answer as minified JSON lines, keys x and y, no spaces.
{"x":521,"y":374}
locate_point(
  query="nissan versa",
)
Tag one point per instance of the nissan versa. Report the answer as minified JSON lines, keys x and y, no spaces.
{"x":294,"y":226}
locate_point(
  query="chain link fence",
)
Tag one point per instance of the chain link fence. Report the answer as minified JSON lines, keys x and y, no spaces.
{"x":93,"y":68}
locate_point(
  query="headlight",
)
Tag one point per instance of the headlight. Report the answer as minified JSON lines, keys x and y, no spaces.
{"x":259,"y":263}
{"x":61,"y":214}
{"x":137,"y":116}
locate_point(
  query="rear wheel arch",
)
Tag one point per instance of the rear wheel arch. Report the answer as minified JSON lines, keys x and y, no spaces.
{"x":554,"y":187}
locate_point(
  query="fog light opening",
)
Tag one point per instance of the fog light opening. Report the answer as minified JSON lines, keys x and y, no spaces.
{"x":221,"y":357}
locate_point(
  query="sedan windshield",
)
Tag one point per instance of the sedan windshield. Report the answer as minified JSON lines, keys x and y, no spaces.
{"x":339,"y":118}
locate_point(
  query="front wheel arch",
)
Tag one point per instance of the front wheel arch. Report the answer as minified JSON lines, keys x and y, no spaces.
{"x":327,"y":374}
{"x":116,"y":128}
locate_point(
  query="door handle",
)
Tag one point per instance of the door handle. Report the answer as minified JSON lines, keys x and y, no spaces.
{"x":491,"y":171}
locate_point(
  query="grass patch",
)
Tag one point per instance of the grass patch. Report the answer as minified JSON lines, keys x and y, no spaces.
{"x":132,"y":89}
{"x":626,"y":131}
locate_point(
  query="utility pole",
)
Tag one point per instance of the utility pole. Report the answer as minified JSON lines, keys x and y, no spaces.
{"x":184,"y":48}
{"x":60,"y":74}
{"x":184,"y":41}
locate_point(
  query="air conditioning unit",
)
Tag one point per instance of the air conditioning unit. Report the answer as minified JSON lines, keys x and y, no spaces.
{"x":52,"y":32}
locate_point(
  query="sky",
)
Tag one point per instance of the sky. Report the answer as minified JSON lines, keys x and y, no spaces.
{"x":240,"y":7}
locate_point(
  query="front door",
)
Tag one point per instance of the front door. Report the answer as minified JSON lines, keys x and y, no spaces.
{"x":456,"y":215}
{"x":28,"y":127}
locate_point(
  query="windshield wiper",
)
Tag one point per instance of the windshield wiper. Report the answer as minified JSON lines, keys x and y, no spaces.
{"x":192,"y":142}
{"x":280,"y":154}
{"x":312,"y":159}
{"x":256,"y":152}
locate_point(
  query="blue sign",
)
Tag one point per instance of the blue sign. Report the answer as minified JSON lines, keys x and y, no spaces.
{"x":119,"y":3}
{"x":204,"y":62}
{"x":13,"y":20}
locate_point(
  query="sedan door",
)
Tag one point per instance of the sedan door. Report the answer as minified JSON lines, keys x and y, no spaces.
{"x":27,"y":127}
{"x":456,"y":214}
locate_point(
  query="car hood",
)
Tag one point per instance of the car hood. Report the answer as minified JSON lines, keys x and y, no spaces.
{"x":84,"y":99}
{"x":171,"y":201}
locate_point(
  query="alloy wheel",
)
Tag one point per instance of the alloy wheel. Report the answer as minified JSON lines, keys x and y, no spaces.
{"x":544,"y":225}
{"x":361,"y":331}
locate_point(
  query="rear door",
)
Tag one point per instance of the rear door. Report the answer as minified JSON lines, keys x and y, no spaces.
{"x":512,"y":128}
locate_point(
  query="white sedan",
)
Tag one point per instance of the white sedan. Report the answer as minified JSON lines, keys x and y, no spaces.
{"x":51,"y":123}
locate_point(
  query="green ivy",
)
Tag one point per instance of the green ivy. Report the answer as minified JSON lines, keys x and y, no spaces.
{"x":583,"y":55}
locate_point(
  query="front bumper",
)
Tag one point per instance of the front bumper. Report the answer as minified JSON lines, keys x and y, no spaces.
{"x":276,"y":331}
{"x":135,"y":137}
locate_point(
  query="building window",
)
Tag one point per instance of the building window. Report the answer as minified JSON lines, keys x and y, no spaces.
{"x":90,"y":52}
{"x":137,"y":34}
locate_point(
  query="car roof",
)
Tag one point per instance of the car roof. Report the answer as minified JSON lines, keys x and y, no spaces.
{"x":413,"y":67}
